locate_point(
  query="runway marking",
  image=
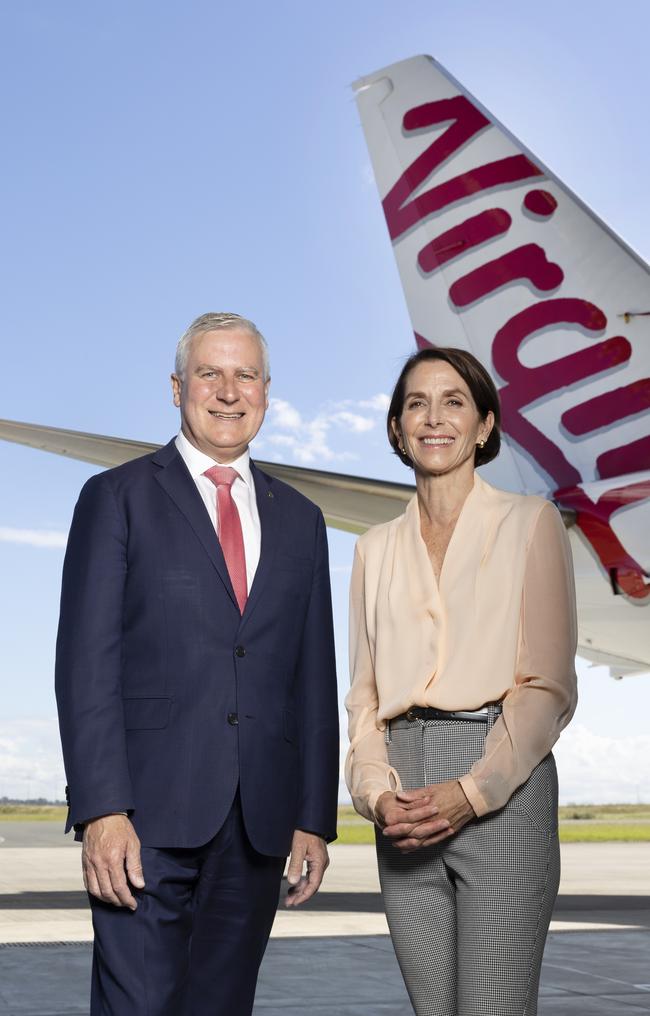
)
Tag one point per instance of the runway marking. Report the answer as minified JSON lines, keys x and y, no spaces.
{"x":589,"y":973}
{"x":568,"y":926}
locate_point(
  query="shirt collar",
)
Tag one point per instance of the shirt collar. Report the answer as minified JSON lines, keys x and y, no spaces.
{"x":197,"y":461}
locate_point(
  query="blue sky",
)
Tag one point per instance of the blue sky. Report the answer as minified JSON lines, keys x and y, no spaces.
{"x":163,"y":159}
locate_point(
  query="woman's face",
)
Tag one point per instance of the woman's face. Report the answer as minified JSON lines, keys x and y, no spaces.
{"x":440,"y":425}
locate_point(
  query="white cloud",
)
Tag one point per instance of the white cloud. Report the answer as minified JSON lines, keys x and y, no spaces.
{"x":595,"y":769}
{"x":313,"y":440}
{"x":283,"y":414}
{"x":357,"y":423}
{"x":380,"y":402}
{"x":33,"y":537}
{"x":31,"y":765}
{"x":305,"y":440}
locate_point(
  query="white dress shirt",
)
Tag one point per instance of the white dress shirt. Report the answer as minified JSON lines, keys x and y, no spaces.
{"x":243,"y":493}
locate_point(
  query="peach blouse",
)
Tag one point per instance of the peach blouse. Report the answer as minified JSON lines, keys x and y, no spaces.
{"x":499,"y":626}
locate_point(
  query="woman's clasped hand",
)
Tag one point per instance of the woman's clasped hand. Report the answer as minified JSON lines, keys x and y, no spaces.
{"x":419,"y":818}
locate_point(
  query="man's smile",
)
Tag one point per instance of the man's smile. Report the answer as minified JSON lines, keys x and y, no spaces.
{"x":225,"y":416}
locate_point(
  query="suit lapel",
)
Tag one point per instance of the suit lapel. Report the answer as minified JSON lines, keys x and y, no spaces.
{"x":269,"y":512}
{"x":175,"y":479}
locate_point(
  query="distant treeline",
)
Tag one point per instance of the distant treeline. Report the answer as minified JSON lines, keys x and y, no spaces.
{"x":30,"y":800}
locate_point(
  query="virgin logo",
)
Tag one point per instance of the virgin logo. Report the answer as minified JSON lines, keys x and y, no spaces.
{"x":524,"y":385}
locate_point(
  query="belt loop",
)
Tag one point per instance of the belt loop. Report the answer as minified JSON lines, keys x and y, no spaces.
{"x":492,"y":715}
{"x":387,"y":735}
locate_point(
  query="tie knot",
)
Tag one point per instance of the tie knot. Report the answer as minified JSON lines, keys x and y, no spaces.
{"x":222,"y":476}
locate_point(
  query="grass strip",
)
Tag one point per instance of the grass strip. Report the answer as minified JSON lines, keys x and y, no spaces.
{"x":618,"y":823}
{"x":32,"y":813}
{"x":604,"y":832}
{"x":596,"y":832}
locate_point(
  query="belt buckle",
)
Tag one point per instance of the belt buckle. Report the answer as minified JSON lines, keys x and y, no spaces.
{"x":411,"y":715}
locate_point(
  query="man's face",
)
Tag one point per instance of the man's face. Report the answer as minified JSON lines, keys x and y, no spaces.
{"x":223,"y":395}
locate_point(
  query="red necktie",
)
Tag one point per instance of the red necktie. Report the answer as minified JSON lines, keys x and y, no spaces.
{"x":229,"y":530}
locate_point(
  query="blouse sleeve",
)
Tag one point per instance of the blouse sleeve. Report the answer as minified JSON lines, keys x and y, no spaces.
{"x":367,"y":772}
{"x":544,"y":695}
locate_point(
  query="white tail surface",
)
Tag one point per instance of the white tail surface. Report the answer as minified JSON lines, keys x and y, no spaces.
{"x":497,"y":256}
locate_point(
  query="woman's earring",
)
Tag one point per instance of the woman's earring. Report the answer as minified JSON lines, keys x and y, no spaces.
{"x":481,"y":444}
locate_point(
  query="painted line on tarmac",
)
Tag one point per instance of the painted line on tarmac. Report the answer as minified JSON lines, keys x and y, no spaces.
{"x":590,"y":973}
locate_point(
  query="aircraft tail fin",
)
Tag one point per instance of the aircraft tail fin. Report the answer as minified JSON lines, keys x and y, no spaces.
{"x":498,"y":256}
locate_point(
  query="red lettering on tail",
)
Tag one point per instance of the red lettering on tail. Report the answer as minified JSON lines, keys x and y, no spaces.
{"x":527,"y":262}
{"x":527,"y":384}
{"x":630,"y":458}
{"x":461,"y":239}
{"x":467,"y":122}
{"x":593,"y":518}
{"x":608,"y":408}
{"x":540,"y":202}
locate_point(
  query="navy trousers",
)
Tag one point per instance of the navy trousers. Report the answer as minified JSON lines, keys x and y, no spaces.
{"x":194,"y":945}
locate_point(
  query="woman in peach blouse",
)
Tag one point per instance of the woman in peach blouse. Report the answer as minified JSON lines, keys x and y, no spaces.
{"x":463,"y":635}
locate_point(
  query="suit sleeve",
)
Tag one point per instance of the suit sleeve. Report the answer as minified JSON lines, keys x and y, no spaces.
{"x":318,"y":704}
{"x":88,"y":657}
{"x":544,"y":695}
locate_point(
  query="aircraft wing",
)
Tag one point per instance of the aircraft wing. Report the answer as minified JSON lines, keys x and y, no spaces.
{"x":351,"y":503}
{"x":498,"y":256}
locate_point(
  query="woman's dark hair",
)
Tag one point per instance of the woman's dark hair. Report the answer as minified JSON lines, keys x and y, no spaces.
{"x":477,"y":380}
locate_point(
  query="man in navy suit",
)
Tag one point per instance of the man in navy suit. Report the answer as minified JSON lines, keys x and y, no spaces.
{"x":197,"y":696}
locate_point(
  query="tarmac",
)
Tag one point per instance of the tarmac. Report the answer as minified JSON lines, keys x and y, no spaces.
{"x":332,"y":957}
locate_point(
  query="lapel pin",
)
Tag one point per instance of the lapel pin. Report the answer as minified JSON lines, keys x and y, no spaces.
{"x":269,"y":493}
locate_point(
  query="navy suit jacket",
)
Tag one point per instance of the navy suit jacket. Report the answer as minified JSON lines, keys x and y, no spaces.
{"x":168,"y":698}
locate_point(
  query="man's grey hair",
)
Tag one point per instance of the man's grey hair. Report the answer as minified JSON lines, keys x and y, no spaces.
{"x":212,"y":322}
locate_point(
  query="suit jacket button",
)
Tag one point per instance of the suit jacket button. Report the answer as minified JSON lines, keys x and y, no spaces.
{"x":233,"y":719}
{"x":240,"y":651}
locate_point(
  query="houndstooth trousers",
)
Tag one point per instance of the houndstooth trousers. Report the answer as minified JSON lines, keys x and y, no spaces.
{"x":468,"y":917}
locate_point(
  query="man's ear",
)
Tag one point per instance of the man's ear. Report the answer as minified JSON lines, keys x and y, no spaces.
{"x":176,"y":390}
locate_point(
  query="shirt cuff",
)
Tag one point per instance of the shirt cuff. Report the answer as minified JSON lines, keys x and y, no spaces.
{"x":395,"y":785}
{"x":473,"y":795}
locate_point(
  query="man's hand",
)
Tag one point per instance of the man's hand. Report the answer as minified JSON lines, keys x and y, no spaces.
{"x":312,"y":850}
{"x":410,"y":832}
{"x":110,"y":854}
